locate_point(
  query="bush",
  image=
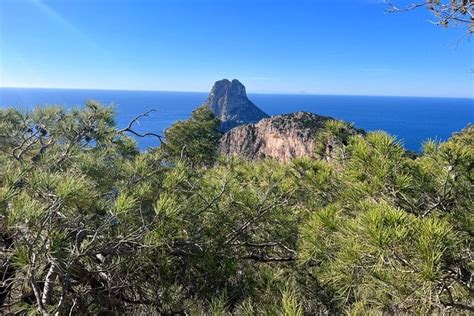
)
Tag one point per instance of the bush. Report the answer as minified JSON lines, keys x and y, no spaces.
{"x":91,"y":225}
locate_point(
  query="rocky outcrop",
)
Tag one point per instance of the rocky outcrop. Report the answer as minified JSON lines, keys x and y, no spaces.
{"x":228,"y":100}
{"x":282,"y":137}
{"x":251,"y":133}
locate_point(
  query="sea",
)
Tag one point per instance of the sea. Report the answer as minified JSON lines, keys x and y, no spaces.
{"x":412,"y":120}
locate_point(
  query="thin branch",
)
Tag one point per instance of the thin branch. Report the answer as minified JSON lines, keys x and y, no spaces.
{"x":135,"y":120}
{"x":460,"y":12}
{"x":394,"y":8}
{"x":265,"y":258}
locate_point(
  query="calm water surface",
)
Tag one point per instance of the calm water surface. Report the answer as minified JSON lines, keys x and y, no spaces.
{"x":412,"y":120}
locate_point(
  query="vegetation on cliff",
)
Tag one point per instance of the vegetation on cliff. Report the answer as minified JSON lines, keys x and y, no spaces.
{"x":91,"y":225}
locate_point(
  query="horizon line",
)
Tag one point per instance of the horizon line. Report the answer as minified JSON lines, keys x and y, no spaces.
{"x":249,"y":92}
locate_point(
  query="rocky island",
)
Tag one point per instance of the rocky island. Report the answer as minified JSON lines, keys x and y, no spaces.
{"x":253,"y":134}
{"x":229,"y":102}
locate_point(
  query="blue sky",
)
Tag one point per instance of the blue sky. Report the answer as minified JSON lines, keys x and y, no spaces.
{"x":318,"y":46}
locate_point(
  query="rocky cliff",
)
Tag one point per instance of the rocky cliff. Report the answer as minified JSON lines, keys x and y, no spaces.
{"x":283,"y":137}
{"x":229,"y":102}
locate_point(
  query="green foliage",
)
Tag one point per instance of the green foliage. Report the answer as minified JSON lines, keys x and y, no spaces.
{"x":290,"y":305}
{"x":330,"y":142}
{"x":90,"y":225}
{"x":195,"y":140}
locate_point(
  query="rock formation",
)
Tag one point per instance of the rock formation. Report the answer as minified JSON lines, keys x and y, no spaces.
{"x":283,"y":137}
{"x":251,"y":133}
{"x":228,"y":100}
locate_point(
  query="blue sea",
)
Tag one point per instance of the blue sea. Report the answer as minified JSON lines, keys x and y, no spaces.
{"x":411,"y":119}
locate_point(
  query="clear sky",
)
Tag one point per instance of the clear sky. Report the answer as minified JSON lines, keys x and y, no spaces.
{"x":293,"y":46}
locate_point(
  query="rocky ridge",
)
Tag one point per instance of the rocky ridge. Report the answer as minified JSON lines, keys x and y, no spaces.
{"x":282,"y":137}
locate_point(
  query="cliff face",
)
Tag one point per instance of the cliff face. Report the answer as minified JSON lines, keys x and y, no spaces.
{"x":283,"y":137}
{"x":228,"y":100}
{"x":251,"y":133}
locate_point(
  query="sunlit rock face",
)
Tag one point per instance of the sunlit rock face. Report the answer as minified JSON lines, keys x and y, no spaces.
{"x":282,"y":137}
{"x":229,"y":102}
{"x":251,"y":133}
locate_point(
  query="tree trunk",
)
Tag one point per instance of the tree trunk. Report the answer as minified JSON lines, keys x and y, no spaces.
{"x":49,"y":284}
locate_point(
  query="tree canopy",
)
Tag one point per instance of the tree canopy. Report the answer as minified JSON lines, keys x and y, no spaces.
{"x":91,"y":225}
{"x":194,"y":140}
